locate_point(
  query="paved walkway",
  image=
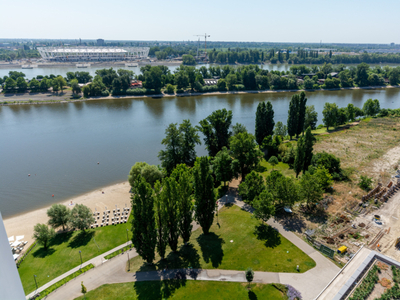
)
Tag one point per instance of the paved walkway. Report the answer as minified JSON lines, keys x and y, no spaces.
{"x":310,"y":283}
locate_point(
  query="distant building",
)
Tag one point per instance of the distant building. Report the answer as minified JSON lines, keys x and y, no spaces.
{"x":136,"y":84}
{"x":100,"y":42}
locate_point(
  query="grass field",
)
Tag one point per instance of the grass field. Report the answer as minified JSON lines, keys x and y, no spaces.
{"x":179,"y":290}
{"x":253,"y":245}
{"x":63,"y":253}
{"x":281,"y":167}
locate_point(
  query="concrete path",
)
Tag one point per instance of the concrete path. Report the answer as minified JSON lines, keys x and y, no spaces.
{"x":310,"y":283}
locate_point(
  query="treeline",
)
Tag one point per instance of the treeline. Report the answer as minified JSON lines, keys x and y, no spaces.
{"x":26,"y":52}
{"x":16,"y":82}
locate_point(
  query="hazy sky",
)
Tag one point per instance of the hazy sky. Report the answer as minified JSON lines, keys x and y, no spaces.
{"x":343,"y":21}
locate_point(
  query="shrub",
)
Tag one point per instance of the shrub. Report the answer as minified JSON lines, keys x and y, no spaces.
{"x":240,"y":87}
{"x":105,"y":93}
{"x":170,"y":89}
{"x":365,"y":183}
{"x":135,"y":92}
{"x":180,"y":91}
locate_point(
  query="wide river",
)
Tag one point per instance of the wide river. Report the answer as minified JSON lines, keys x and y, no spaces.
{"x":60,"y":144}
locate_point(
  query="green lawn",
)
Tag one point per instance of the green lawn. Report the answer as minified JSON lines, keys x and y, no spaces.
{"x":254,"y":245}
{"x":281,"y":167}
{"x":179,"y":290}
{"x":63,"y":253}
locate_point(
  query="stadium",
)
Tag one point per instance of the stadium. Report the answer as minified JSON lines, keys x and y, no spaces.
{"x":93,"y":53}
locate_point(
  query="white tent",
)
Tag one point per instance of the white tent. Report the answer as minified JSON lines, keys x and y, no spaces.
{"x":16,"y":243}
{"x":11,"y":239}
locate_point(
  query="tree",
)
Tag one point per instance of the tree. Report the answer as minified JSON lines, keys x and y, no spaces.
{"x":153,"y":78}
{"x":204,"y":194}
{"x":249,"y":275}
{"x":182,"y":175}
{"x":330,"y":114}
{"x":222,"y":166}
{"x":81,"y":217}
{"x":61,"y":82}
{"x":170,"y":199}
{"x":311,"y":118}
{"x":230,"y":81}
{"x":293,"y":115}
{"x":371,"y":107}
{"x":238,"y":128}
{"x":280,"y":129}
{"x":10,"y":83}
{"x":273,"y":161}
{"x":299,"y":159}
{"x":83,"y":289}
{"x":285,"y":191}
{"x":188,"y":59}
{"x":43,"y":234}
{"x":245,"y":153}
{"x":21,"y":84}
{"x":251,"y":187}
{"x":394,"y":76}
{"x":323,"y":177}
{"x":59,"y":215}
{"x":170,"y":88}
{"x":350,"y":112}
{"x":160,"y":220}
{"x":310,"y":189}
{"x":44,"y":84}
{"x":76,"y":89}
{"x":362,"y":74}
{"x":264,"y":207}
{"x":144,"y":234}
{"x":301,"y":113}
{"x":33,"y":84}
{"x":327,"y":161}
{"x":308,"y":83}
{"x":181,"y":80}
{"x":308,"y":143}
{"x":365,"y":183}
{"x":216,"y":130}
{"x":189,"y":140}
{"x":150,"y":173}
{"x":264,"y":121}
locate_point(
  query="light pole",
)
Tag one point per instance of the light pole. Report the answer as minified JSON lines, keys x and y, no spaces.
{"x":80,"y":253}
{"x":34,"y":276}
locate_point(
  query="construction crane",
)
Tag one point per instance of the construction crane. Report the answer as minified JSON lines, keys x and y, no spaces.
{"x":205,"y":42}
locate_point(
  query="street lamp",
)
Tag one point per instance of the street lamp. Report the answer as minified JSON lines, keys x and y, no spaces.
{"x":34,"y":276}
{"x":80,"y":253}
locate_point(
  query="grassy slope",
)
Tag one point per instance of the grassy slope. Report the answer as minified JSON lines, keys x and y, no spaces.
{"x":177,"y":290}
{"x":267,"y":253}
{"x":63,"y":253}
{"x":281,"y":167}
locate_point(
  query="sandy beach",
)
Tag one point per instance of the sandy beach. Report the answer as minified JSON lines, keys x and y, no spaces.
{"x":117,"y":194}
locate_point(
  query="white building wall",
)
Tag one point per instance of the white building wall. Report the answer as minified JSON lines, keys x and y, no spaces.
{"x":10,"y":283}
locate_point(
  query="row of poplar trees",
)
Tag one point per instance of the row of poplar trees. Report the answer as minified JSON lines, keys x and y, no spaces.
{"x":295,"y":126}
{"x":164,"y":213}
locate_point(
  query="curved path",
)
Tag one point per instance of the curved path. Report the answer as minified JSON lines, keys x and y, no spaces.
{"x":310,"y":283}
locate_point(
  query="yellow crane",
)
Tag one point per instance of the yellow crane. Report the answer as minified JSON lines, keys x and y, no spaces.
{"x":205,"y":42}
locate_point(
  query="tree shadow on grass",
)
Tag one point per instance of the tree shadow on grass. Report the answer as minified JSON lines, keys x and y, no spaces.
{"x":42,"y":253}
{"x":268,"y":234}
{"x":61,"y":238}
{"x":211,"y":248}
{"x":252,"y":295}
{"x":81,"y":239}
{"x":157,"y":290}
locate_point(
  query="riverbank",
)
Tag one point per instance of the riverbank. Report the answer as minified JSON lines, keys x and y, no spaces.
{"x":49,"y":98}
{"x":117,"y":194}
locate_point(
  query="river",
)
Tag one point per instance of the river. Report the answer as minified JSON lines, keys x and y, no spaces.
{"x":60,"y":144}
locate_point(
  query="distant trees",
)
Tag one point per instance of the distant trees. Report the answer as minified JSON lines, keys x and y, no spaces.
{"x":188,"y":59}
{"x":43,"y":234}
{"x":330,"y":114}
{"x":59,"y":215}
{"x":311,"y":118}
{"x":371,"y":107}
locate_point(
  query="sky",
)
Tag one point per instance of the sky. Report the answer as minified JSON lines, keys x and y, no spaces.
{"x":338,"y":21}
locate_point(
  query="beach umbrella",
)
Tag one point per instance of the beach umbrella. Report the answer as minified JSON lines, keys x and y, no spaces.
{"x":11,"y":239}
{"x":19,"y":237}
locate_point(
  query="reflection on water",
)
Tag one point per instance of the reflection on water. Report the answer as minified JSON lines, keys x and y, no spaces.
{"x":62,"y":143}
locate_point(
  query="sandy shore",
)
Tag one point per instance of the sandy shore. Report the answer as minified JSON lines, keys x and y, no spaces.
{"x":117,"y":194}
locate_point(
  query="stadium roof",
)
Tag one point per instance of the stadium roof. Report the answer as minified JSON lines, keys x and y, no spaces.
{"x":88,"y":50}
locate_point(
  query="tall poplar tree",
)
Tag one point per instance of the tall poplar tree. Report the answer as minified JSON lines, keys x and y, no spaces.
{"x":302,"y":113}
{"x":264,"y":121}
{"x":299,"y":159}
{"x":170,"y":199}
{"x":160,"y":219}
{"x":293,"y":115}
{"x":144,"y":236}
{"x":204,"y":194}
{"x":308,"y":144}
{"x":182,"y":175}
